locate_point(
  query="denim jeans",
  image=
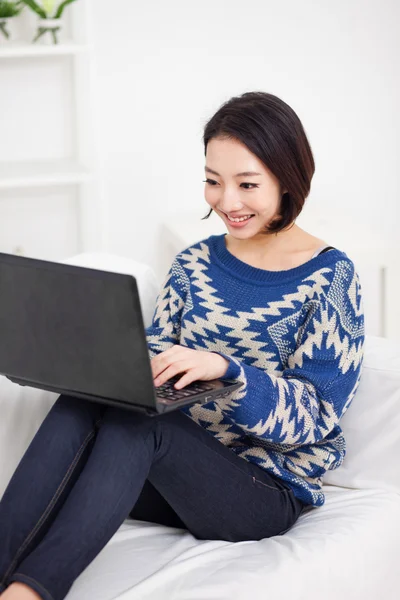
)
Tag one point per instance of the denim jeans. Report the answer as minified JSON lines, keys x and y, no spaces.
{"x":91,"y":466}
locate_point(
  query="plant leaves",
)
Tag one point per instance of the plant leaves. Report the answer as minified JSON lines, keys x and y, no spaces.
{"x":9,"y":9}
{"x":36,"y":8}
{"x":61,"y":8}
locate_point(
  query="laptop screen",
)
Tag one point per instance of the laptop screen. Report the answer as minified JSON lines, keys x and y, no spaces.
{"x":73,"y":328}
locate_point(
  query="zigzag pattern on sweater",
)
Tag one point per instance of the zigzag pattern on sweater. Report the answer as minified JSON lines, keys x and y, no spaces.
{"x":297,"y":346}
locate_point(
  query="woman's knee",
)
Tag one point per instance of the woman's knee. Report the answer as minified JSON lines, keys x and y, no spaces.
{"x":75,"y":409}
{"x":120,"y":420}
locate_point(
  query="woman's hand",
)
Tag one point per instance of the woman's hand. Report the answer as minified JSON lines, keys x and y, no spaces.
{"x":196,"y":364}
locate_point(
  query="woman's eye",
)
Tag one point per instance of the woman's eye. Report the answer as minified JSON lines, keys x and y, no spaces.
{"x":253,"y":184}
{"x":212,"y":182}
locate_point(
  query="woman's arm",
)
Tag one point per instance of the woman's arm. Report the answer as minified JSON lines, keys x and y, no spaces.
{"x":306,"y":402}
{"x":164,"y":330}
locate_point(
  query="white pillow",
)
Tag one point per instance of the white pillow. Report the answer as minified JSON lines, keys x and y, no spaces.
{"x":371,"y":425}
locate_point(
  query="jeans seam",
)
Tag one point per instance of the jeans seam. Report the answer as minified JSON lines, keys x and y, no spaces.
{"x":54,"y":499}
{"x":290,"y":491}
{"x":272,"y":488}
{"x":36,"y":582}
{"x":236,"y":466}
{"x":243,"y":471}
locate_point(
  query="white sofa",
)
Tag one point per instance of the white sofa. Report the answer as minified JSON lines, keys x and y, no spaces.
{"x":349,"y":548}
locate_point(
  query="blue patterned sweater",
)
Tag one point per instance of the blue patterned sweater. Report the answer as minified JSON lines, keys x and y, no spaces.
{"x":294,"y":338}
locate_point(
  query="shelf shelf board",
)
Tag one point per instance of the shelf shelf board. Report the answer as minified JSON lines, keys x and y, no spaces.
{"x":26,"y":49}
{"x":27,"y":174}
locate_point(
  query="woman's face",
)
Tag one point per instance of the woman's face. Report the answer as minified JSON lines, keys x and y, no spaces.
{"x":229,"y":192}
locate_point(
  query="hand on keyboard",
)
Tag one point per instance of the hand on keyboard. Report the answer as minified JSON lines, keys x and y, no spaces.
{"x":195,"y":364}
{"x":167,"y":389}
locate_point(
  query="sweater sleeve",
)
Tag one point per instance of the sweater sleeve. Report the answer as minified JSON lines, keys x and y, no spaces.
{"x":306,"y":401}
{"x":165,"y":328}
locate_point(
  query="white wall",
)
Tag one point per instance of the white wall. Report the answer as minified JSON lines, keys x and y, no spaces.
{"x":159,"y":71}
{"x":163,"y":68}
{"x":36,"y":124}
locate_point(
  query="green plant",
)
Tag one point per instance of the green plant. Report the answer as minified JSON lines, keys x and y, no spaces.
{"x":47,"y":9}
{"x":7,"y":10}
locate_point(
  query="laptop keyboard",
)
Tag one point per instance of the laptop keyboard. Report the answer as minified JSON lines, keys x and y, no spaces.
{"x":168,"y":392}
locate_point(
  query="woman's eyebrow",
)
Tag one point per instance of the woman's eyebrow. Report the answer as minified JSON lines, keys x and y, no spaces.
{"x":243,"y":173}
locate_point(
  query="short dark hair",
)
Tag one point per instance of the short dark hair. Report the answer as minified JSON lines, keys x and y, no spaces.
{"x":273,"y":132}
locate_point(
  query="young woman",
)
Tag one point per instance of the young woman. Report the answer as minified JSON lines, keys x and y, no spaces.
{"x":267,"y":304}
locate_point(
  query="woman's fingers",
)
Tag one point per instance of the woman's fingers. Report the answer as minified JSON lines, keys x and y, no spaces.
{"x":171,"y":371}
{"x":160,"y":362}
{"x":187,"y":378}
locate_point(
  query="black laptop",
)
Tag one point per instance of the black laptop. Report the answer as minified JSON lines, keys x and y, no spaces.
{"x":80,"y":331}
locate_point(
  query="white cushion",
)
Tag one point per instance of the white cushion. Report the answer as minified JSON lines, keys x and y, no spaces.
{"x":371,"y":425}
{"x":145,"y":277}
{"x":347,"y":549}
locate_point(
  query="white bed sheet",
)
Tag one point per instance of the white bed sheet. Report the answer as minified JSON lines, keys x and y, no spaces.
{"x":349,"y":549}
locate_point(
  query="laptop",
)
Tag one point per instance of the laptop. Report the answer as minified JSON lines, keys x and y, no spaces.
{"x":79,"y":331}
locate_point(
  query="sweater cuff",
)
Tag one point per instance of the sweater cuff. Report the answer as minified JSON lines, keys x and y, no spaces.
{"x":233,"y":368}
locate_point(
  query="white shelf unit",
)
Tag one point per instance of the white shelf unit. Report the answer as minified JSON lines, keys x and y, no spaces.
{"x":50,"y":206}
{"x":26,"y":50}
{"x":26,"y":174}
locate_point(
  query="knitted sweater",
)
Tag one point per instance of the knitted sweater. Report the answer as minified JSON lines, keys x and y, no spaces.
{"x":294,"y":338}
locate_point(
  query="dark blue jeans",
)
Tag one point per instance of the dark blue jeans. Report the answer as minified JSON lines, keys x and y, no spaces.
{"x":90,"y":467}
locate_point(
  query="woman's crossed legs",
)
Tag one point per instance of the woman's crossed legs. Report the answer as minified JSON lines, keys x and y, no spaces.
{"x":90,"y":467}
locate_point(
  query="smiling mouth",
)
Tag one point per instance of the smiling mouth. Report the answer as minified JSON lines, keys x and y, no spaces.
{"x":238,"y":219}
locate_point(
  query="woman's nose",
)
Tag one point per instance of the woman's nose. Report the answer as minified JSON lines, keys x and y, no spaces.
{"x":231,"y":208}
{"x":228,"y":204}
